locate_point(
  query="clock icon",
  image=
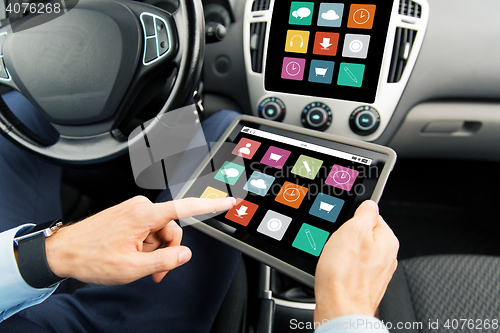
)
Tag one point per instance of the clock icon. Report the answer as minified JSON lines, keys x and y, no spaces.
{"x":293,"y":68}
{"x":341,"y":177}
{"x":361,"y":16}
{"x":291,"y":195}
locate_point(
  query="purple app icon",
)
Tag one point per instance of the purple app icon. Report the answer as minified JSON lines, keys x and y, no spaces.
{"x":342,"y":177}
{"x":293,"y":69}
{"x":275,"y":157}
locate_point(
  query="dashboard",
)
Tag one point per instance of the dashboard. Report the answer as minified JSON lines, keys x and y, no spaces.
{"x":436,"y":97}
{"x":358,"y":98}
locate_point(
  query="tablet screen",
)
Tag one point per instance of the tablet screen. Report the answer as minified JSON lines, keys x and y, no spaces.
{"x":324,"y":49}
{"x":293,"y":190}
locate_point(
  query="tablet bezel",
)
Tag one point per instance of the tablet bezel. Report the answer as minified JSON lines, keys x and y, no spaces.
{"x":280,"y":265}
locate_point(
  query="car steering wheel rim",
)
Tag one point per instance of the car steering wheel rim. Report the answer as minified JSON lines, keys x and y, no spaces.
{"x":99,"y":141}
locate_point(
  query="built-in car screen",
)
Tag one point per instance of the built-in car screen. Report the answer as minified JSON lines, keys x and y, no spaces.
{"x":327,"y":49}
{"x":293,"y":191}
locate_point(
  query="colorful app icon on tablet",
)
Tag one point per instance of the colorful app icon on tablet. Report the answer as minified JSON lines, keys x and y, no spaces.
{"x":213,"y":193}
{"x":342,"y":177}
{"x":274,"y":225}
{"x":311,"y":239}
{"x":259,"y":183}
{"x":275,"y":157}
{"x":229,"y":173}
{"x":291,"y":194}
{"x":246,"y":148}
{"x":242,"y":212}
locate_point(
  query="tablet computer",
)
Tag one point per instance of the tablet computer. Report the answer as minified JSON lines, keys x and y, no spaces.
{"x":294,"y":188}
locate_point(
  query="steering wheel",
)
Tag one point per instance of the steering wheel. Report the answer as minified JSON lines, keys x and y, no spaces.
{"x":88,"y":67}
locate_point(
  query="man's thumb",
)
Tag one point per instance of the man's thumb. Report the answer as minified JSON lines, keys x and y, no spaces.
{"x":164,"y":259}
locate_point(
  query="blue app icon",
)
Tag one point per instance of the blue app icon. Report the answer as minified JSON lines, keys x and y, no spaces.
{"x":321,"y":71}
{"x":326,"y":207}
{"x":259,"y":183}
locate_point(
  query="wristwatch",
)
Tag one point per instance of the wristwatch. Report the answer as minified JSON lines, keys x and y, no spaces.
{"x":31,"y":256}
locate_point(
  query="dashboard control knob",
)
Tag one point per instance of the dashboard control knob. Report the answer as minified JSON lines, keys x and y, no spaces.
{"x":365,"y":120}
{"x":272,"y":108}
{"x":317,"y":116}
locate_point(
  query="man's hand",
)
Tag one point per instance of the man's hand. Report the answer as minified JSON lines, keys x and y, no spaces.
{"x":122,"y":244}
{"x":356,"y":266}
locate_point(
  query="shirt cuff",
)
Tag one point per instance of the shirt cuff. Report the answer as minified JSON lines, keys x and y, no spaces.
{"x":15,"y":293}
{"x":353,"y":324}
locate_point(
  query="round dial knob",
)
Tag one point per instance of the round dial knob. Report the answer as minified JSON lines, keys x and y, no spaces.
{"x":365,"y":120}
{"x":272,"y":108}
{"x":317,"y":116}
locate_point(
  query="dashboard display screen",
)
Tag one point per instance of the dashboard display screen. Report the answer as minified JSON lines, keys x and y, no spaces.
{"x":327,"y":49}
{"x":293,"y":190}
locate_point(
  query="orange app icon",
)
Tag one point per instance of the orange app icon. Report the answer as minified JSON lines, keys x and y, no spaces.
{"x":326,"y":43}
{"x":242,"y":212}
{"x":361,"y":16}
{"x":291,"y":195}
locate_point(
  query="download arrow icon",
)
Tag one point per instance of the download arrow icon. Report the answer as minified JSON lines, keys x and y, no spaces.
{"x":242,"y":211}
{"x":326,"y":43}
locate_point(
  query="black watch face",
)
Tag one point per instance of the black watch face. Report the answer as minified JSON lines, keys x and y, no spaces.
{"x":327,"y":49}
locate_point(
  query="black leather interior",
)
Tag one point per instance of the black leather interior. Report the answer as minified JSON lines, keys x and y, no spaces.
{"x":442,"y":288}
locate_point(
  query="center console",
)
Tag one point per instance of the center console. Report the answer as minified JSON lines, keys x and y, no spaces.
{"x":335,"y":67}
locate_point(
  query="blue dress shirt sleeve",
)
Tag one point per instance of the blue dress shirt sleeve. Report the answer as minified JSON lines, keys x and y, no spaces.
{"x":353,"y":324}
{"x":15,"y":294}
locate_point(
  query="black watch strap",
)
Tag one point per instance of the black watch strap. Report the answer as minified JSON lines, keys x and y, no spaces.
{"x":32,"y":262}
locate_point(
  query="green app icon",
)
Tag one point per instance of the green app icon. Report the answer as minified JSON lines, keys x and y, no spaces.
{"x":230,"y":173}
{"x":351,"y":75}
{"x":307,"y":167}
{"x":311,"y":239}
{"x":301,"y":13}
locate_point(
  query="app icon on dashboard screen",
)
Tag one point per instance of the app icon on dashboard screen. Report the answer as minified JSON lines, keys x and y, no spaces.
{"x":351,"y":75}
{"x":297,"y":41}
{"x":301,"y":13}
{"x":330,"y":14}
{"x":293,"y":69}
{"x":361,"y":16}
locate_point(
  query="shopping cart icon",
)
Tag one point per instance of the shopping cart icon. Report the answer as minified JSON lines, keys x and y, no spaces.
{"x":326,"y":206}
{"x":321,"y":71}
{"x":275,"y":157}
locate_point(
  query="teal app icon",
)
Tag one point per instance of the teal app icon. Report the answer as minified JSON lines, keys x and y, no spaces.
{"x":301,"y":13}
{"x":326,"y":207}
{"x":351,"y":75}
{"x":229,"y":173}
{"x":311,"y":239}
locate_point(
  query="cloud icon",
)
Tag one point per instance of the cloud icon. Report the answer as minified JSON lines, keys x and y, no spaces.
{"x":330,"y":15}
{"x":258,"y":183}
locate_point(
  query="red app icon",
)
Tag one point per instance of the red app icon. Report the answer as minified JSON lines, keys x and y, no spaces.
{"x":326,"y":43}
{"x":246,"y":148}
{"x":242,"y":212}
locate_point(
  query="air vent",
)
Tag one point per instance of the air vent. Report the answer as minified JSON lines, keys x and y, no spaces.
{"x":410,"y":8}
{"x":403,"y":44}
{"x":260,"y":5}
{"x":257,"y":39}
